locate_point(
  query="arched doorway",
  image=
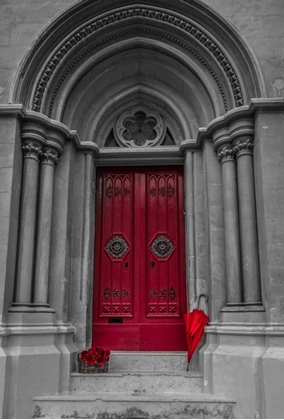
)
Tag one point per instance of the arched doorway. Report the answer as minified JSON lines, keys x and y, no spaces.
{"x":113,"y":62}
{"x":187,"y":66}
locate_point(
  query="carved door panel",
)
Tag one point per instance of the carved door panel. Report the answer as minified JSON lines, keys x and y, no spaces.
{"x":139,"y":288}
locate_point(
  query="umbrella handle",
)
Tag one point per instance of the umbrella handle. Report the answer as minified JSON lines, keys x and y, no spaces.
{"x":198,"y":299}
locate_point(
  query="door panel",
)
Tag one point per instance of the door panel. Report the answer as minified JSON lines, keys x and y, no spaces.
{"x":116,"y":248}
{"x":162,"y":246}
{"x":139,"y":289}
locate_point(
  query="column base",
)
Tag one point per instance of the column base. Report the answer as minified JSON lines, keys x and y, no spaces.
{"x":24,"y":318}
{"x":244,"y":312}
{"x":30,"y":307}
{"x":243,"y":304}
{"x":246,"y":363}
{"x":39,"y":356}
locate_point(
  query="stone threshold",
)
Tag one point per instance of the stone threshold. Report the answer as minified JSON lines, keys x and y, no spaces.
{"x":143,"y":396}
{"x":119,"y":373}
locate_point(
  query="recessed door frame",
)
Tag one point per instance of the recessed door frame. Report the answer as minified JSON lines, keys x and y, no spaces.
{"x":141,"y":324}
{"x":160,"y":156}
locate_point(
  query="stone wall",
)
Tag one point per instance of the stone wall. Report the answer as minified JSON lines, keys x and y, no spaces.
{"x":259,"y":22}
{"x":242,"y":342}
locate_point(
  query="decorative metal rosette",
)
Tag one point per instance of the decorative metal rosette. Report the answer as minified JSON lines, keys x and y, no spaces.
{"x":162,"y":246}
{"x":117,"y":247}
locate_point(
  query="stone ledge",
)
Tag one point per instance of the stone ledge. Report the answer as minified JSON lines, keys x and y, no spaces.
{"x":239,"y":328}
{"x":117,"y":396}
{"x":134,"y":405}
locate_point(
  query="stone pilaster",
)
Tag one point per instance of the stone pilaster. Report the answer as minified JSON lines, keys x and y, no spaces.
{"x":32,"y":151}
{"x":226,"y":155}
{"x":87,"y":231}
{"x":189,"y":226}
{"x":243,"y":148}
{"x":49,"y":158}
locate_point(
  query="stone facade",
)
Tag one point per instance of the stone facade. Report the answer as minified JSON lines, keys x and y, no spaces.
{"x":212,"y":71}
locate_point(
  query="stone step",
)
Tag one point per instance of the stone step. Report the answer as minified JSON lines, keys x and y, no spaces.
{"x":151,"y":361}
{"x":140,"y":381}
{"x":133,"y":405}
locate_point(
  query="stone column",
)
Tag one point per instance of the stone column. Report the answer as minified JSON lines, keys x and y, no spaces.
{"x":226,"y":156}
{"x":32,"y":151}
{"x":250,"y":261}
{"x":48,"y":161}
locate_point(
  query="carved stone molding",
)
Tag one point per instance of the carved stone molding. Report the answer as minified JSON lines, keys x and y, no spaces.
{"x":148,"y":13}
{"x":243,"y":147}
{"x":49,"y":157}
{"x":32,"y":151}
{"x":139,"y":127}
{"x":226,"y":153}
{"x":137,"y":30}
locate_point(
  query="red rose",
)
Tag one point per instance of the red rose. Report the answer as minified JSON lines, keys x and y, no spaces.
{"x":95,"y":356}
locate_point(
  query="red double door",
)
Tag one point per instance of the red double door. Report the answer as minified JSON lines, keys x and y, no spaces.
{"x":139,"y":284}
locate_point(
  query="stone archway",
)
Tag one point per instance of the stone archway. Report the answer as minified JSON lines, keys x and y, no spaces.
{"x":108,"y":61}
{"x":91,"y":65}
{"x":116,"y":60}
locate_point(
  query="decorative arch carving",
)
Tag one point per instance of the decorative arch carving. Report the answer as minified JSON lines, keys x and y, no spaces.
{"x":139,"y":127}
{"x":197,"y":29}
{"x":142,"y":12}
{"x":136,"y":31}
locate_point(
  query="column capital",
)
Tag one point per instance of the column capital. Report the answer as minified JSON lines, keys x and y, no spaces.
{"x":49,"y":157}
{"x":32,"y":150}
{"x":243,"y":146}
{"x":226,"y":153}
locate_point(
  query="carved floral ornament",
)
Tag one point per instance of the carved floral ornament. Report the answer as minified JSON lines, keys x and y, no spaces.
{"x":139,"y":127}
{"x":243,"y":146}
{"x":32,"y":151}
{"x":226,"y":153}
{"x":44,"y":155}
{"x":238,"y":148}
{"x":149,"y":13}
{"x":49,"y":157}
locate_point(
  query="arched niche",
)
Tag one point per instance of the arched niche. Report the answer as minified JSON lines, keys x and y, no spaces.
{"x":95,"y":59}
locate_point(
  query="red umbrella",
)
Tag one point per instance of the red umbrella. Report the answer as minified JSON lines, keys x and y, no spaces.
{"x":195,"y":322}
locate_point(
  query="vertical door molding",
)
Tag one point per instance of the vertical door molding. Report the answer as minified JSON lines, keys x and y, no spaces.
{"x":87,"y":267}
{"x":190,"y":229}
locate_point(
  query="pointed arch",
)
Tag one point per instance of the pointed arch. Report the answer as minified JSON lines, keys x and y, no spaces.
{"x":187,"y":49}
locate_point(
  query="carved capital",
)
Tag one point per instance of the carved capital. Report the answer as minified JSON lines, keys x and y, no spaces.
{"x":243,"y":146}
{"x":49,"y":157}
{"x":32,"y":151}
{"x":226,"y":153}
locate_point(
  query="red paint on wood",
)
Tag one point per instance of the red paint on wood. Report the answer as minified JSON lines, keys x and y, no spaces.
{"x":139,"y":260}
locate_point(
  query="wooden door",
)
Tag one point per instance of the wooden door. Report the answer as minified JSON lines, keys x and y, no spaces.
{"x":139,"y":284}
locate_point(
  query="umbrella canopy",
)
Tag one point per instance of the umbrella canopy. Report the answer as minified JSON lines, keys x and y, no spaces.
{"x":195,"y":322}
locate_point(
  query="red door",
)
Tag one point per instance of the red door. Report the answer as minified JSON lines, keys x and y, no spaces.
{"x":139,"y":288}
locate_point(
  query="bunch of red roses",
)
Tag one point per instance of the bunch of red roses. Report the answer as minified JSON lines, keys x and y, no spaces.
{"x":97,"y":356}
